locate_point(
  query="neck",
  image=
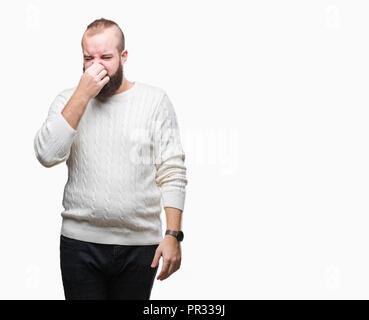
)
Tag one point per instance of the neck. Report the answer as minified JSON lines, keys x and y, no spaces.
{"x":124,"y":86}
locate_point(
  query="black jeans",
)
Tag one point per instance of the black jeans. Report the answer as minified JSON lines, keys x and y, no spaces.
{"x":106,"y":271}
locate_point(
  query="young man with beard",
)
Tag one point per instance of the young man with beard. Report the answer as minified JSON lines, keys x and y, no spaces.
{"x":121,"y":143}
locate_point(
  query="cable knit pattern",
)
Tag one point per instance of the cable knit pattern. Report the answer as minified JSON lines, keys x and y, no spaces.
{"x":125,"y":161}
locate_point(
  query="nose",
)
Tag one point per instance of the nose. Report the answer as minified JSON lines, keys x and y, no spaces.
{"x":90,"y":62}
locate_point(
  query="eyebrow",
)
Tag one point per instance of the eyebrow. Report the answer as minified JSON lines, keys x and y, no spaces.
{"x":105,"y":54}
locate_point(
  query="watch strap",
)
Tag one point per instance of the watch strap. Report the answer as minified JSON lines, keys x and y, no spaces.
{"x":177,"y":234}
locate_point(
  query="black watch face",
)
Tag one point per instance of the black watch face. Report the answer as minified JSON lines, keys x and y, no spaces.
{"x":180,"y":236}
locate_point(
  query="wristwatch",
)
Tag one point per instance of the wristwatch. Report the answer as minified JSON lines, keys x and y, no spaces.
{"x":178,"y":234}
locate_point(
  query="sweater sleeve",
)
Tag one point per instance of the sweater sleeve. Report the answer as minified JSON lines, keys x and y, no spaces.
{"x":169,"y":156}
{"x":53,"y":140}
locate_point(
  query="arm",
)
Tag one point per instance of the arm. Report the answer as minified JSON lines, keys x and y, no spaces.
{"x":169,"y":156}
{"x":171,"y":178}
{"x":75,"y":109}
{"x":53,"y":140}
{"x":174,"y":219}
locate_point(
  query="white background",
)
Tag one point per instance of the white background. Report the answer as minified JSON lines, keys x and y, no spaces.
{"x":272,"y":103}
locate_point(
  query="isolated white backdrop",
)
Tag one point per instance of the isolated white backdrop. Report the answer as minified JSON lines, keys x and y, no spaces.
{"x":272,"y":102}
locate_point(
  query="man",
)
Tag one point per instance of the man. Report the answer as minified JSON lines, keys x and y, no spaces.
{"x":121,"y":143}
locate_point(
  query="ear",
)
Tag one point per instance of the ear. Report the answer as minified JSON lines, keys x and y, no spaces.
{"x":124,"y":55}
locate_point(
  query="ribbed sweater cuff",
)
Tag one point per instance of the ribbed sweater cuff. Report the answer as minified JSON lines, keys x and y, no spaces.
{"x":173,"y":198}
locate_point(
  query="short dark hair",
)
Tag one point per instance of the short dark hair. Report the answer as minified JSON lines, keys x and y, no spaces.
{"x":100,"y":24}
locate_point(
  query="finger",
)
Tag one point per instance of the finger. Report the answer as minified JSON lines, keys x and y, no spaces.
{"x":157,"y":256}
{"x":105,"y":81}
{"x":174,"y":266}
{"x":171,"y":269}
{"x":99,"y":68}
{"x":102,"y":74}
{"x":164,"y":270}
{"x":93,"y":66}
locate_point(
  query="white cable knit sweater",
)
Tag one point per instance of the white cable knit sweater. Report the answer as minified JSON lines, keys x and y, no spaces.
{"x":123,"y":159}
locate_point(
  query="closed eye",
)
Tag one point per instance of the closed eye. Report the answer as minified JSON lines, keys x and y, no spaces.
{"x":103,"y":58}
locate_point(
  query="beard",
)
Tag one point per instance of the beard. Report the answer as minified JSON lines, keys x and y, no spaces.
{"x":113,"y":84}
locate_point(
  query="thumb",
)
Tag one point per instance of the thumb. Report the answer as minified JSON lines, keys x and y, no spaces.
{"x":157,"y":256}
